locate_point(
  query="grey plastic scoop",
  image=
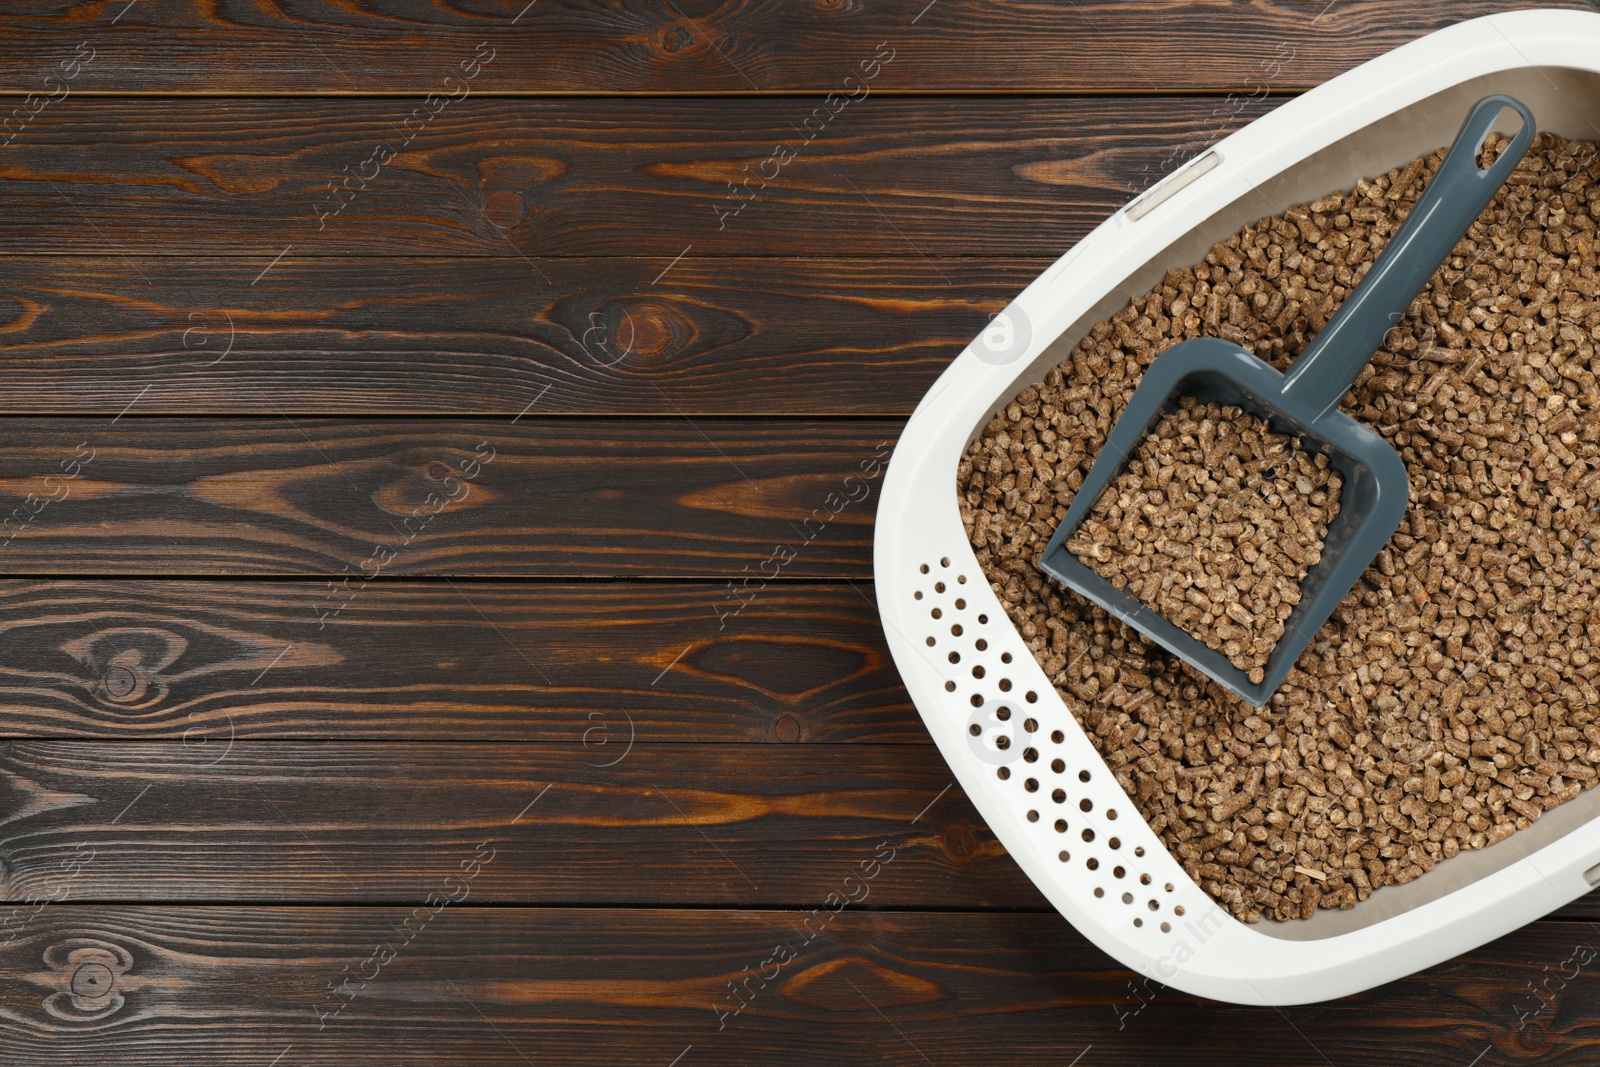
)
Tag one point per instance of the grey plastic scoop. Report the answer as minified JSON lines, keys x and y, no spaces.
{"x":1304,"y":403}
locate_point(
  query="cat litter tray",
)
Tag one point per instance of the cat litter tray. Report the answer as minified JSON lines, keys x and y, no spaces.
{"x":942,"y":620}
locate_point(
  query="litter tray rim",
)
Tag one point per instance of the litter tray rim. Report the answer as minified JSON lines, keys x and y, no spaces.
{"x":1207,"y":952}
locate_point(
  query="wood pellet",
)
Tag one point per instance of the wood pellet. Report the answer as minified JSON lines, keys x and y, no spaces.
{"x":1453,"y":696}
{"x":1214,"y":524}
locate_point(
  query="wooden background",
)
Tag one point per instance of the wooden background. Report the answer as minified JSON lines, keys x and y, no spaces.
{"x":360,"y":562}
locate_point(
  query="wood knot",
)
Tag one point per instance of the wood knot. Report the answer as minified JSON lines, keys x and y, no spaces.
{"x":88,"y":978}
{"x":92,"y":981}
{"x":431,"y":484}
{"x":120,"y":683}
{"x":787,"y":728}
{"x":640,"y":329}
{"x":960,"y":843}
{"x":504,"y":208}
{"x":128,"y":664}
{"x":1531,"y":1038}
{"x":675,"y":38}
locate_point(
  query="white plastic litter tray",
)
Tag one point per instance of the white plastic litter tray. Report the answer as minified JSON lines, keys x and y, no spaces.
{"x":1380,"y":115}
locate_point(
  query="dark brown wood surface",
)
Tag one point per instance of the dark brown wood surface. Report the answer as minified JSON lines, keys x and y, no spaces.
{"x":469,"y":336}
{"x":211,"y":818}
{"x":589,"y":663}
{"x":691,"y":46}
{"x":360,"y":500}
{"x":657,"y":176}
{"x":367,"y":544}
{"x":455,"y":984}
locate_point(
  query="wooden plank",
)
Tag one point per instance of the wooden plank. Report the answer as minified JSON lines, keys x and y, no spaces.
{"x":750,"y":499}
{"x":217,"y":819}
{"x":662,"y":177}
{"x":487,"y":335}
{"x":205,"y":663}
{"x":499,"y":987}
{"x":593,"y":664}
{"x":411,"y":46}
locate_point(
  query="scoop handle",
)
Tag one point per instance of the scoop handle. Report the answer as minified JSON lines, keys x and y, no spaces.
{"x":1454,"y":198}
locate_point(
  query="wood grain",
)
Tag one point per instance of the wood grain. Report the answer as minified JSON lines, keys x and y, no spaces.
{"x":410,"y":46}
{"x":490,"y":335}
{"x":213,"y":818}
{"x":217,"y":819}
{"x":590,"y":663}
{"x":664,"y":497}
{"x":499,"y":987}
{"x":902,"y":177}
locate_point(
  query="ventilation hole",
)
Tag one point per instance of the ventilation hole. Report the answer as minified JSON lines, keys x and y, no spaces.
{"x":949,"y":687}
{"x":1005,"y":657}
{"x":1030,"y":725}
{"x":1063,"y":855}
{"x":1002,"y":741}
{"x":975,"y":730}
{"x":1111,"y":813}
{"x":955,"y":657}
{"x":937,"y":613}
{"x":1061,"y":826}
{"x":1085,"y":804}
{"x":1031,"y":755}
{"x":1088,"y":835}
{"x":982,"y":619}
{"x":1003,"y":714}
{"x":917,"y":595}
{"x":1004,"y":773}
{"x":1138,"y":921}
{"x":1058,"y":765}
{"x":1092,"y":863}
{"x":956,"y":631}
{"x":977,"y":698}
{"x":1059,"y":796}
{"x":945,"y":562}
{"x":1144,"y":879}
{"x":1127,"y":898}
{"x":1033,"y":816}
{"x":1139,"y":851}
{"x":1032,"y":697}
{"x":981,"y":644}
{"x":1154,"y":906}
{"x":961,"y":605}
{"x":1169,"y":889}
{"x":961,"y":579}
{"x":1083,"y":776}
{"x":1178,"y":910}
{"x":977,"y":672}
{"x":938,"y":587}
{"x":930,"y":642}
{"x":1057,"y":736}
{"x":1115,"y":842}
{"x":924,"y":568}
{"x":1032,"y":785}
{"x":1166,"y":928}
{"x":1005,"y":684}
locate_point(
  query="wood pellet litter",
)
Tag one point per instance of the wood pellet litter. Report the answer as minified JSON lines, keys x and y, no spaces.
{"x":1214,"y":524}
{"x":1453,"y":696}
